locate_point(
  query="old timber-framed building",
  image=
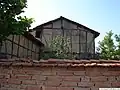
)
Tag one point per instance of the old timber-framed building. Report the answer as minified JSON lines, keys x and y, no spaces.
{"x":82,"y":38}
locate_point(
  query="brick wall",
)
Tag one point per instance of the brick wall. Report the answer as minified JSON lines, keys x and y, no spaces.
{"x":30,"y":77}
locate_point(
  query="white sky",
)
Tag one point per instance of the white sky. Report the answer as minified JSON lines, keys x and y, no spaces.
{"x":38,"y":9}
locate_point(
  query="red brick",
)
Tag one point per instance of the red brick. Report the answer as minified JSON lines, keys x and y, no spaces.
{"x":111,"y":78}
{"x":39,"y":77}
{"x":54,"y":78}
{"x":114,"y":69}
{"x":69,"y":84}
{"x":22,"y":86}
{"x":117,"y":78}
{"x":71,"y":78}
{"x":3,"y":81}
{"x":115,"y":84}
{"x":79,"y":88}
{"x":65,"y":73}
{"x":40,"y":82}
{"x":32,"y":72}
{"x":93,"y":72}
{"x":3,"y":88}
{"x":111,"y":73}
{"x":85,"y":84}
{"x":29,"y":82}
{"x":64,"y":88}
{"x":76,"y":69}
{"x":54,"y":83}
{"x":18,"y":72}
{"x":2,"y":76}
{"x":14,"y":86}
{"x":50,"y":88}
{"x":58,"y":69}
{"x":99,"y":78}
{"x":93,"y":88}
{"x":23,"y":77}
{"x":7,"y":76}
{"x":48,"y":73}
{"x":102,"y":84}
{"x":5,"y":71}
{"x":85,"y":79}
{"x":79,"y":73}
{"x":14,"y":81}
{"x":33,"y":88}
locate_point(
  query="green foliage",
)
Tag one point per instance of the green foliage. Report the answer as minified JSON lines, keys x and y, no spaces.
{"x":10,"y":20}
{"x":59,"y":48}
{"x":117,"y":37}
{"x":107,"y":47}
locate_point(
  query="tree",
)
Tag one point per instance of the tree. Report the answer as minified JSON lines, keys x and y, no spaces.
{"x":59,"y":48}
{"x":10,"y":20}
{"x":107,"y":47}
{"x":117,"y":37}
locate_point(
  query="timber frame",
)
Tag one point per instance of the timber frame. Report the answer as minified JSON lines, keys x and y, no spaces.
{"x":80,"y":30}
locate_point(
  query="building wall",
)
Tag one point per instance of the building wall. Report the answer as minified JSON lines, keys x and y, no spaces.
{"x":18,"y":46}
{"x":58,"y":78}
{"x":81,"y":41}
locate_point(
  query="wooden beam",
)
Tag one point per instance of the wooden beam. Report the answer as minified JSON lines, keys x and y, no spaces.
{"x":86,"y":42}
{"x":71,"y":43}
{"x":62,"y":28}
{"x":12,"y":46}
{"x":52,"y":31}
{"x":94,"y":47}
{"x":79,"y":41}
{"x":18,"y":46}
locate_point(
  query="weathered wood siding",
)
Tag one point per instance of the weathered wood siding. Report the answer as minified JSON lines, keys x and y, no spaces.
{"x":82,"y":40}
{"x":18,"y":46}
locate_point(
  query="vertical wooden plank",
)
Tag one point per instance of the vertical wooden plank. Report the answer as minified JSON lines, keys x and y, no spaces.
{"x":86,"y":42}
{"x":12,"y":46}
{"x":71,"y":43}
{"x":35,"y":51}
{"x":79,"y":42}
{"x":31,"y":49}
{"x":20,"y":52}
{"x":9,"y":46}
{"x":3,"y":47}
{"x":27,"y":48}
{"x":15,"y":49}
{"x":62,"y":27}
{"x":52,"y":30}
{"x":18,"y":46}
{"x":62,"y":30}
{"x":94,"y":46}
{"x":24,"y":47}
{"x":16,"y":39}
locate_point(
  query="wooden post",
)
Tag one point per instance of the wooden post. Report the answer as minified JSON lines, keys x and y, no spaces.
{"x":31,"y":49}
{"x":62,"y":26}
{"x":52,"y":31}
{"x":18,"y":47}
{"x":79,"y":42}
{"x":12,"y":46}
{"x":94,"y":46}
{"x":71,"y":43}
{"x":86,"y":43}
